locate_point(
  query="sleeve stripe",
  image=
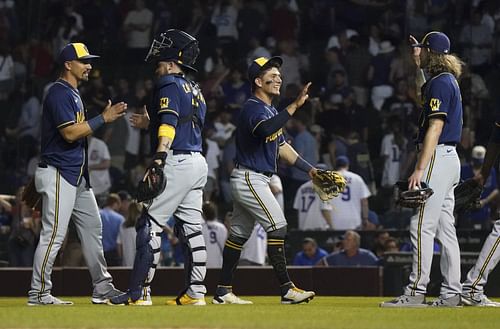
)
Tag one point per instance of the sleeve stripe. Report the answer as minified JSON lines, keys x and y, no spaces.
{"x":436,"y":114}
{"x":258,"y":123}
{"x":168,"y":111}
{"x":284,"y":142}
{"x":65,"y":124}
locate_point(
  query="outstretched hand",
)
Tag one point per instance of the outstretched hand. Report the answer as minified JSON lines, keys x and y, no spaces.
{"x":303,"y":96}
{"x":113,"y":112}
{"x":140,"y":120}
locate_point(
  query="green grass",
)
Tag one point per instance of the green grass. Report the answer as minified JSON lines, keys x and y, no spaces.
{"x":265,"y":313}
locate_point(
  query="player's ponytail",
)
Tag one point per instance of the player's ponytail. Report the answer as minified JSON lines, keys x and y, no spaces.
{"x":439,"y":63}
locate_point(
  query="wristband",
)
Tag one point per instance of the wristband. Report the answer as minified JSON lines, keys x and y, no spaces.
{"x":96,"y":122}
{"x":303,"y":164}
{"x":162,"y":156}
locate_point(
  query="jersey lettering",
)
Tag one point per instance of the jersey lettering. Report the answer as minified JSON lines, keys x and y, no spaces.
{"x":274,"y":136}
{"x":346,"y":194}
{"x":306,"y":204}
{"x":213,"y":237}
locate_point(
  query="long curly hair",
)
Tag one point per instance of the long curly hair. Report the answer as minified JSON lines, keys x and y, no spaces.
{"x":439,"y":63}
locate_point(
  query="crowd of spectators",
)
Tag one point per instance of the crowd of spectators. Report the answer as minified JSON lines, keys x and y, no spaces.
{"x":362,"y":108}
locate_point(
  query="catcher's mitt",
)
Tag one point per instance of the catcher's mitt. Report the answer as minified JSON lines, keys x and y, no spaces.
{"x":411,"y":198}
{"x":468,"y":196}
{"x":328,"y":184}
{"x":153,"y":184}
{"x":31,"y":197}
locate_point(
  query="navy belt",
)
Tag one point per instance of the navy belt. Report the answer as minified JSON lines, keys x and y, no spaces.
{"x":265,"y":173}
{"x":43,"y":165}
{"x":177,"y":152}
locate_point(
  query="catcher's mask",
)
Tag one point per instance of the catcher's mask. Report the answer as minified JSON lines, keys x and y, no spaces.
{"x":174,"y":45}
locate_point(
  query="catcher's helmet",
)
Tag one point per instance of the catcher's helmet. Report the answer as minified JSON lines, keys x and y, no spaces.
{"x":174,"y":45}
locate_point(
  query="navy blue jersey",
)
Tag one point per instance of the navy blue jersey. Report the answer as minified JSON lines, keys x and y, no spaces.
{"x":178,"y":102}
{"x":259,"y":154}
{"x":63,"y":107}
{"x":441,"y":98}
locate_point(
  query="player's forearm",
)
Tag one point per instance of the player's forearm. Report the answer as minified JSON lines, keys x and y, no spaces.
{"x":76,"y":131}
{"x":364,"y":210}
{"x":288,"y":154}
{"x":83,"y":129}
{"x":419,"y":81}
{"x":166,"y":135}
{"x":5,"y":205}
{"x":429,"y":144}
{"x":492,"y":151}
{"x":291,"y":157}
{"x":492,"y":196}
{"x":327,"y":216}
{"x":164,"y":144}
{"x":105,"y":164}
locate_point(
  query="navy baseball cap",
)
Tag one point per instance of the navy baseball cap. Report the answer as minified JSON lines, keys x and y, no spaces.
{"x":74,"y":51}
{"x":341,"y":161}
{"x":260,"y":64}
{"x":438,"y":42}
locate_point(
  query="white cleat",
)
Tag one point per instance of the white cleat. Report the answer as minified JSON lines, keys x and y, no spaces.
{"x":49,"y":300}
{"x":295,"y":295}
{"x":406,"y":301}
{"x":230,"y":298}
{"x":479,"y":301}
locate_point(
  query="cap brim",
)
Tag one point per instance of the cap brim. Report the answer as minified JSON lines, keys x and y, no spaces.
{"x":89,"y":57}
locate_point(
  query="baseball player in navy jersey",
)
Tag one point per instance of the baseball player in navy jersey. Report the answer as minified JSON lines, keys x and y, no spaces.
{"x":176,"y":123}
{"x":62,"y":178}
{"x":438,"y":165}
{"x":259,"y":144}
{"x":473,"y":287}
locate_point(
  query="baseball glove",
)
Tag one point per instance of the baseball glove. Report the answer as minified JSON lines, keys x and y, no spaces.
{"x":153,"y":184}
{"x":31,"y":197}
{"x":468,"y":196}
{"x":411,"y":198}
{"x":328,"y":184}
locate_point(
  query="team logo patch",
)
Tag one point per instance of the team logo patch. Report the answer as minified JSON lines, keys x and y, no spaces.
{"x":164,"y":102}
{"x":80,"y":117}
{"x":435,"y":104}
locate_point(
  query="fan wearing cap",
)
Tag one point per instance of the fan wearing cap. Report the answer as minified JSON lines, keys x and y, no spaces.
{"x":259,"y":144}
{"x":62,"y":178}
{"x":438,"y":165}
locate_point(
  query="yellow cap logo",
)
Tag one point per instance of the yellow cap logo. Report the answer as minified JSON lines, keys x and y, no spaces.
{"x":261,"y":61}
{"x":81,"y":50}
